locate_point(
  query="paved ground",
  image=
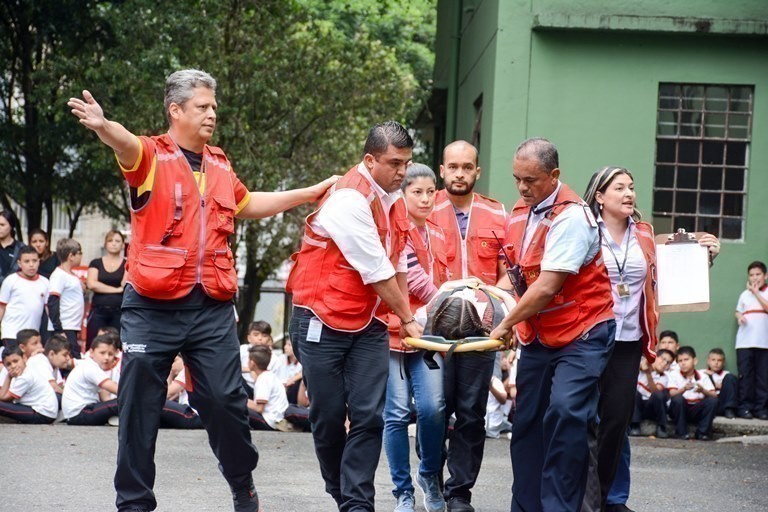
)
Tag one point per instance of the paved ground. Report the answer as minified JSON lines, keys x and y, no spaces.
{"x":62,"y":468}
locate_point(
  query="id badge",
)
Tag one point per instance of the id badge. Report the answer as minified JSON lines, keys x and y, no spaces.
{"x":315,"y":330}
{"x":623,"y":290}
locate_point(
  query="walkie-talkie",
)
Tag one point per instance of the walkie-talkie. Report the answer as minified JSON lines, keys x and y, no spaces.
{"x":514,"y":272}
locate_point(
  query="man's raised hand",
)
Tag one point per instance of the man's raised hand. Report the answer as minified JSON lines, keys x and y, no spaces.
{"x":88,"y":111}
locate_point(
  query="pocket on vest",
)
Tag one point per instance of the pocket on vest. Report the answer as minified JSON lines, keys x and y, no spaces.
{"x":224,"y":215}
{"x":347,"y":295}
{"x":557,"y":321}
{"x":223,"y":265}
{"x":488,"y":246}
{"x":159,"y":267}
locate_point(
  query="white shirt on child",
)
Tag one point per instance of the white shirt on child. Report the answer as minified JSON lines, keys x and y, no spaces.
{"x":753,"y":334}
{"x":82,"y":387}
{"x":24,"y":300}
{"x":33,"y":390}
{"x":646,"y":389}
{"x":43,"y":365}
{"x":692,"y":396}
{"x":71,"y":303}
{"x":277,"y":361}
{"x":268,"y":388}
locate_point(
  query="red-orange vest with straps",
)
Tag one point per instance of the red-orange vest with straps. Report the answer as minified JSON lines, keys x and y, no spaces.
{"x":585,"y":299}
{"x":432,"y":259}
{"x":179,"y":237}
{"x":478,"y":254}
{"x":323,"y":281}
{"x":649,"y":314}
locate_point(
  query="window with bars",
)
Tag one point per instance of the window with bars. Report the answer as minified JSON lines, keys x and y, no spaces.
{"x":702,"y":154}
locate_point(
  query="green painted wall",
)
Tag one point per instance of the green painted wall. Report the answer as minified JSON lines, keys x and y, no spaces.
{"x":594,"y":94}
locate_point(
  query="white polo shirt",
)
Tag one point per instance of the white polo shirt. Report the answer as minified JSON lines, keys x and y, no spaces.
{"x":269,"y":388}
{"x":692,"y":396}
{"x":33,"y":390}
{"x":82,"y":387}
{"x":42,"y":364}
{"x":24,"y":300}
{"x":645,"y":388}
{"x":753,"y":334}
{"x":346,"y":218}
{"x":71,"y":304}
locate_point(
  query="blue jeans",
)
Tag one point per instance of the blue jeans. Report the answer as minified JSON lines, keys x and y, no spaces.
{"x":410,"y":377}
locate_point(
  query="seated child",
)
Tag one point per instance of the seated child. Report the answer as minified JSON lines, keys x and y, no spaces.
{"x":259,"y":334}
{"x":269,"y":409}
{"x":177,"y":412}
{"x":725,"y":383}
{"x":88,"y":385}
{"x":651,"y":395}
{"x":668,"y":340}
{"x":22,"y":297}
{"x":499,"y":402}
{"x":25,"y":394}
{"x":29,"y":342}
{"x":291,"y":373}
{"x":50,"y":362}
{"x":693,"y":397}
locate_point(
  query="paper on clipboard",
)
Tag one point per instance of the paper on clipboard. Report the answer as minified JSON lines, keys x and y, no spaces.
{"x":682,"y":277}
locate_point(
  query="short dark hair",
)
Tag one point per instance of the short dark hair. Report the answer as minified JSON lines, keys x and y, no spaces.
{"x":541,"y":148}
{"x":10,"y":217}
{"x":261,"y":326}
{"x":686,"y":350}
{"x":757,"y":264}
{"x":665,"y":351}
{"x":108,"y":329}
{"x":67,"y":246}
{"x":383,"y":135}
{"x":105,"y":339}
{"x":261,"y":355}
{"x":27,"y":249}
{"x":671,"y":334}
{"x":56,"y":344}
{"x":717,"y":351}
{"x":14,"y":351}
{"x":24,"y":335}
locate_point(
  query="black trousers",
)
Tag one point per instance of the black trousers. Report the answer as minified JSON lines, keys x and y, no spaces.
{"x":98,"y":317}
{"x":654,"y":408}
{"x":618,"y":385}
{"x":753,"y":379}
{"x":346,"y":375}
{"x":207,"y":339}
{"x":23,"y":414}
{"x":179,"y":416}
{"x":702,"y":413}
{"x":728,"y":396}
{"x":467,"y":381}
{"x":95,"y":414}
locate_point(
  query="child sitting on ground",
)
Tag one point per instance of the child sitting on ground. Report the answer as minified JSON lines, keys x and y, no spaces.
{"x":668,"y":340}
{"x":29,"y":342}
{"x":726,"y":384}
{"x":693,"y":397}
{"x":25,"y":394}
{"x":651,"y":395}
{"x":22,"y":297}
{"x":269,"y":409}
{"x":291,"y":373}
{"x":85,"y":400}
{"x":259,"y":334}
{"x":177,"y":412}
{"x":50,"y":362}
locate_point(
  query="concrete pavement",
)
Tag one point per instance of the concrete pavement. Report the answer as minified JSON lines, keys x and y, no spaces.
{"x":61,"y":469}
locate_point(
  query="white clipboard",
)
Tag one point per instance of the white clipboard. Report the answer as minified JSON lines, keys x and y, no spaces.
{"x":682,"y":272}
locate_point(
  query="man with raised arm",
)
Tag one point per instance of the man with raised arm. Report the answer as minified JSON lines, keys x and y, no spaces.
{"x":181,"y":280}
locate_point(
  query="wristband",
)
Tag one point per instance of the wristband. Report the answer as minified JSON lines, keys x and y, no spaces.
{"x":413,"y":319}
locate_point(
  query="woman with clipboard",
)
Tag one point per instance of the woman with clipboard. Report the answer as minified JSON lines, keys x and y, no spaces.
{"x":629,"y":252}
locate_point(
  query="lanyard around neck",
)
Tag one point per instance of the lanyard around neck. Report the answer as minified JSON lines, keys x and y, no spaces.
{"x":623,"y":265}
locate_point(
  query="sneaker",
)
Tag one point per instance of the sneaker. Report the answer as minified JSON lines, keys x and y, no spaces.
{"x":661,"y":432}
{"x":245,"y":498}
{"x":433,"y":498}
{"x":730,"y":414}
{"x":113,"y":421}
{"x":405,"y":502}
{"x":703,"y":437}
{"x":634,"y":430}
{"x":459,"y":505}
{"x":745,"y":415}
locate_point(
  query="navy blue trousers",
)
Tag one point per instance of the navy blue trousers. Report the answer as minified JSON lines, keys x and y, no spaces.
{"x":557,"y":396}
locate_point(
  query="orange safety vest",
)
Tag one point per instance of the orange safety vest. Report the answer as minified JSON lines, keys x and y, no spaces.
{"x":179,"y":238}
{"x":322,"y":280}
{"x":478,"y":254}
{"x":438,"y":271}
{"x":585,"y":299}
{"x":649,"y":313}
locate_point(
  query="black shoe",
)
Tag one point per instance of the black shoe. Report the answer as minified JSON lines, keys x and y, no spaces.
{"x":459,"y":505}
{"x":762,"y":415}
{"x":618,"y":508}
{"x":245,"y":498}
{"x":703,"y":437}
{"x":661,"y":433}
{"x":745,"y":415}
{"x":634,"y":431}
{"x":684,"y":437}
{"x":729,"y":414}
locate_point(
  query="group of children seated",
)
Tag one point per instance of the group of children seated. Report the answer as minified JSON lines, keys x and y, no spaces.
{"x":672,"y":387}
{"x":44,"y":384}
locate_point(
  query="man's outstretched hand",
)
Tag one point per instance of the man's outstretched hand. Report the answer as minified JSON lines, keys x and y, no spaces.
{"x":88,"y":111}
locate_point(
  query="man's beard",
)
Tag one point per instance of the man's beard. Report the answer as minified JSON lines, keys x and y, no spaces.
{"x":462,"y":191}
